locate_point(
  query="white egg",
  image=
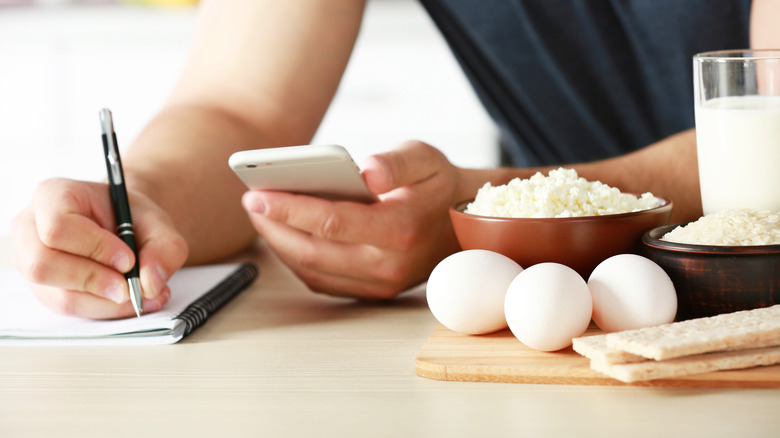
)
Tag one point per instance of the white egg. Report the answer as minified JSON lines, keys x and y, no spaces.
{"x":466,"y":291}
{"x":548,"y":305}
{"x":630,"y":292}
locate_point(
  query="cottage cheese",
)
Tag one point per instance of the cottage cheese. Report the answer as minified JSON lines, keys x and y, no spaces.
{"x":560,"y":194}
{"x":743,"y":227}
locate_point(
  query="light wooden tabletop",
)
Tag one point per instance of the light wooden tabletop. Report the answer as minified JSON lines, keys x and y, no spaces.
{"x":282,"y":361}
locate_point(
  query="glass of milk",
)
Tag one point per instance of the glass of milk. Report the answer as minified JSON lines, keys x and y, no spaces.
{"x":737,"y":105}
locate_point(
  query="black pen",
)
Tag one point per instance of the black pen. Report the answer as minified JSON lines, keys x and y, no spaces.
{"x":116,"y":184}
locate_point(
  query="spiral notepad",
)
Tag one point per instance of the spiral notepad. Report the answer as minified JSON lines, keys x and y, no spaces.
{"x":196,"y":293}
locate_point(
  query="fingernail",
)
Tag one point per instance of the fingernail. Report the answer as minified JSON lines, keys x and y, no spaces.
{"x":254,"y":203}
{"x":158,"y":278}
{"x":386,"y":170}
{"x":115,"y":292}
{"x":121,"y":262}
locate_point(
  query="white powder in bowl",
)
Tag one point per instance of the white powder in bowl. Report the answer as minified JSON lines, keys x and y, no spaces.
{"x":561,"y":194}
{"x":742,"y":227}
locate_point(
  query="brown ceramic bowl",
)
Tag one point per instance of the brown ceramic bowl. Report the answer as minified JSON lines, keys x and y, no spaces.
{"x":716,"y":279}
{"x":578,"y":242}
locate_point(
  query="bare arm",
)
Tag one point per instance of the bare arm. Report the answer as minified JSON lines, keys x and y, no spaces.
{"x":764,"y":18}
{"x":380,"y":250}
{"x":667,"y":168}
{"x":261,"y":73}
{"x":255,"y":80}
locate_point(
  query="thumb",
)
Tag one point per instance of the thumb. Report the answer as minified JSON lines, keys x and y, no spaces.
{"x":411,"y":163}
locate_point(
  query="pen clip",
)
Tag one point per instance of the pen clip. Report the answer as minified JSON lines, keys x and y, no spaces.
{"x":112,"y":153}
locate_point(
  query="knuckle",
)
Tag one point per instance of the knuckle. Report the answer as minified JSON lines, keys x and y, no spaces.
{"x":276,"y":211}
{"x":47,"y":185}
{"x":305,"y":260}
{"x":179,"y":244}
{"x":331,"y":227}
{"x":50,"y":231}
{"x":312,"y":283}
{"x":431,"y":153}
{"x":35,"y":267}
{"x":413,"y":143}
{"x":98,"y":250}
{"x":34,"y":263}
{"x":62,"y":302}
{"x":176,"y":248}
{"x":422,"y":149}
{"x":385,"y":292}
{"x":89,"y":281}
{"x":389,"y":276}
{"x":406,"y":236}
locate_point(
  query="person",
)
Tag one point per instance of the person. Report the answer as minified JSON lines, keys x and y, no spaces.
{"x":603,"y":86}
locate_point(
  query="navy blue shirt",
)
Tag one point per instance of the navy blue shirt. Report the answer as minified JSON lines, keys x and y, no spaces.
{"x":579,"y":80}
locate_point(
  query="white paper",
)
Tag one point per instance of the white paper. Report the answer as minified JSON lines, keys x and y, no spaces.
{"x":25,"y":321}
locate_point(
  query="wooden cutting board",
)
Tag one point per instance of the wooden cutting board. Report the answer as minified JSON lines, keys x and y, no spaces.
{"x":500,"y":357}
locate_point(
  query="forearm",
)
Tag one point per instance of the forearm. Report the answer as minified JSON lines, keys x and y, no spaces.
{"x":180,"y":161}
{"x":260,"y":74}
{"x":764,"y":16}
{"x":667,"y":168}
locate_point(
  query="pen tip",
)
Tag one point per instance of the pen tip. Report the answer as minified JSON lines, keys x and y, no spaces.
{"x":136,"y":296}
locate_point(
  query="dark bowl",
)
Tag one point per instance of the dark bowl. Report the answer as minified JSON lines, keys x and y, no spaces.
{"x":716,"y":279}
{"x":580,"y":243}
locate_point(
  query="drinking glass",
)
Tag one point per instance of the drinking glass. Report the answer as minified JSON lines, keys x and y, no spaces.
{"x":737,"y":108}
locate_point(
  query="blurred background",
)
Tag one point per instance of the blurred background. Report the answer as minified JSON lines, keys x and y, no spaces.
{"x":63,"y":60}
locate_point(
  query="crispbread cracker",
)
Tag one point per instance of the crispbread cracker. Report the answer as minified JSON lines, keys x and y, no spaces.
{"x":595,"y":348}
{"x":738,"y":330}
{"x":727,"y":360}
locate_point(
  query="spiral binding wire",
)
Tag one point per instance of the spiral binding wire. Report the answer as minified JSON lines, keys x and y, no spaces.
{"x":199,"y":311}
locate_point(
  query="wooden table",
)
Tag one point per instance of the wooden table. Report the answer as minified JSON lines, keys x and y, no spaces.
{"x":281,"y":361}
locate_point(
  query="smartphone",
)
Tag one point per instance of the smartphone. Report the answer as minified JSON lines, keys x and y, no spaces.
{"x":325,"y":171}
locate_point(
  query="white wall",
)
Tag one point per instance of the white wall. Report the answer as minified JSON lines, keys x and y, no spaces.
{"x":60,"y":65}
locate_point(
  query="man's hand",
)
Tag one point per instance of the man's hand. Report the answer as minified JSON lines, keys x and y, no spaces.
{"x":372,"y":251}
{"x":66,"y":248}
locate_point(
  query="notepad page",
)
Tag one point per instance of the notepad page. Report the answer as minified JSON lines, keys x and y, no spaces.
{"x":21,"y":315}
